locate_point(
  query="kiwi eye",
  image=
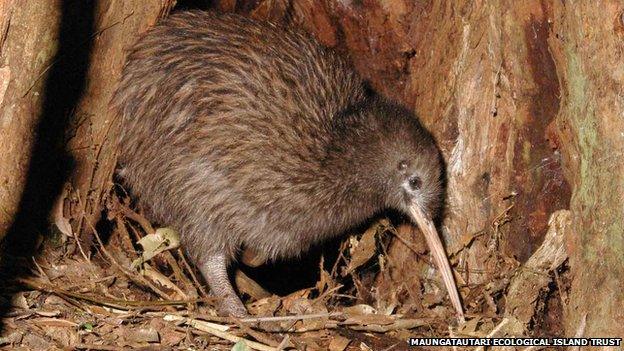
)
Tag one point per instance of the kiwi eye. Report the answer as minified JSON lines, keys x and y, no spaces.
{"x":402,"y":165}
{"x":415,"y":182}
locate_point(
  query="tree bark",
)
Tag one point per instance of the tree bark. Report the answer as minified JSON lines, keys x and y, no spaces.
{"x":29,"y":32}
{"x":93,"y":148}
{"x":587,"y":43}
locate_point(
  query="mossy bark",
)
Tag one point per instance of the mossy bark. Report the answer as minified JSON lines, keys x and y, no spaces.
{"x":588,"y":46}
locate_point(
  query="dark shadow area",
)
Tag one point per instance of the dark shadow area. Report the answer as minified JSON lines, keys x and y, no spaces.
{"x":284,"y":277}
{"x":243,"y":7}
{"x":182,"y":5}
{"x":50,"y":165}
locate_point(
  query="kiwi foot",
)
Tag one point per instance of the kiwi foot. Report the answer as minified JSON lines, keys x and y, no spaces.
{"x":214,"y":270}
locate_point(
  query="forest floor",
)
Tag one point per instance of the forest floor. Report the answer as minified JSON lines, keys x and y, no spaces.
{"x":118,"y":297}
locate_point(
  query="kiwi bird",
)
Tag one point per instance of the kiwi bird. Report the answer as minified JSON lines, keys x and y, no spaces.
{"x":246,"y":134}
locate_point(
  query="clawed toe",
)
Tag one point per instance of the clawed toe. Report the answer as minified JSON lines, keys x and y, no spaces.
{"x":232,"y":307}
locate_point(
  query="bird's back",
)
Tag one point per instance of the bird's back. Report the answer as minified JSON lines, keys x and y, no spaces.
{"x":221,"y":112}
{"x":231,"y":77}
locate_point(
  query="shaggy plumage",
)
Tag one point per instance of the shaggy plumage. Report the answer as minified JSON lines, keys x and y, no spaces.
{"x":242,"y":133}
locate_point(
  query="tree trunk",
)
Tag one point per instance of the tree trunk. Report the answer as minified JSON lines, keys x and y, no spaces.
{"x":95,"y":129}
{"x":587,"y":44}
{"x":60,"y":62}
{"x":28,"y":43}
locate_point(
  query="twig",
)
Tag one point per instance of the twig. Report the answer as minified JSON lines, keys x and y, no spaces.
{"x":189,"y":269}
{"x":580,"y":330}
{"x":410,"y":245}
{"x":391,"y":263}
{"x":134,"y":277}
{"x":397,"y":325}
{"x":284,"y":344}
{"x":120,"y":304}
{"x":494,"y":331}
{"x":256,"y":335}
{"x":292,"y":318}
{"x":168,"y":256}
{"x":452,"y":335}
{"x":125,"y":234}
{"x":331,"y":324}
{"x":127,"y":212}
{"x":99,"y":347}
{"x":253,"y":320}
{"x":157,"y":276}
{"x":77,"y":234}
{"x":341,"y":256}
{"x":41,"y":272}
{"x":249,"y":286}
{"x":221,"y":334}
{"x":328,"y":292}
{"x":177,"y":271}
{"x":390,"y":347}
{"x":375,"y":328}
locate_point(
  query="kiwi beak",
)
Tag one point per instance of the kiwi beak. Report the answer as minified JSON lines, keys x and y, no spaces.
{"x":439,"y":255}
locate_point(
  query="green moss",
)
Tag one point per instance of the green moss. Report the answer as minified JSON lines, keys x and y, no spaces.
{"x":580,"y":114}
{"x":596,"y":201}
{"x":526,"y":152}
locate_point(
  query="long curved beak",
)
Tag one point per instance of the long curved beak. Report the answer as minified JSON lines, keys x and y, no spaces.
{"x":439,"y":255}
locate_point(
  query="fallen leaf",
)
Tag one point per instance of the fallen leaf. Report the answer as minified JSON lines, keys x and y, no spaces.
{"x":54,"y":322}
{"x":62,"y":222}
{"x":359,"y":309}
{"x":338,"y":343}
{"x":364,"y":315}
{"x":161,"y":279}
{"x":365,"y":347}
{"x":369,"y":319}
{"x":142,"y":335}
{"x":19,"y":300}
{"x":45,"y":313}
{"x":470,"y":326}
{"x":199,"y":324}
{"x":241,"y":346}
{"x":36,"y":342}
{"x":265,"y":307}
{"x":13,"y":338}
{"x":162,"y":240}
{"x":364,"y":249}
